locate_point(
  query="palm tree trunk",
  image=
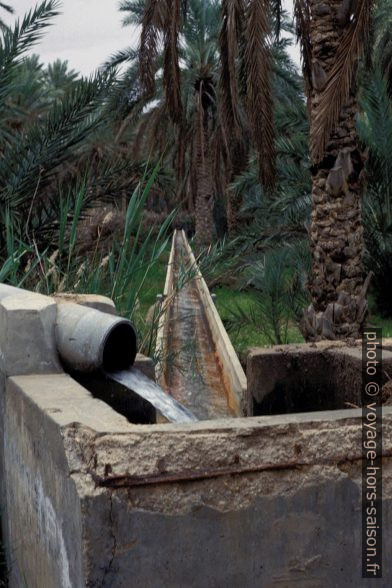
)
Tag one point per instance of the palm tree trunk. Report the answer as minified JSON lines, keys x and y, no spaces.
{"x":204,"y":209}
{"x":233,"y":206}
{"x":337,"y":288}
{"x":233,"y":199}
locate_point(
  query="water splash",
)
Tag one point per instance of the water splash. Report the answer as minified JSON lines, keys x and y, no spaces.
{"x":170,"y":408}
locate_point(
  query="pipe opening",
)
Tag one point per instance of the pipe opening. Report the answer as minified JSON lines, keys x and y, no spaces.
{"x":119,"y":348}
{"x":122,"y":400}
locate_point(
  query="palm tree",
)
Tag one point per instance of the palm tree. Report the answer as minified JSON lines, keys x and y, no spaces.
{"x":183,"y":126}
{"x":245,"y":88}
{"x":202,"y":61}
{"x":39,"y":137}
{"x":59,"y":78}
{"x":334,"y":36}
{"x":274,"y":219}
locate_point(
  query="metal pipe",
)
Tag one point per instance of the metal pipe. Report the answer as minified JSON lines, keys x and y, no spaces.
{"x":89,"y":340}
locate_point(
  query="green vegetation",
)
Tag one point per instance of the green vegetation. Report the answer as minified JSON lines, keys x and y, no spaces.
{"x":228,"y":303}
{"x":208,"y":126}
{"x":154,"y":284}
{"x":385,"y":324}
{"x":77,"y":152}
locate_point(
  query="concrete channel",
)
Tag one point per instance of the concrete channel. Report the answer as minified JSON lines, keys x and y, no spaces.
{"x":199,"y":366}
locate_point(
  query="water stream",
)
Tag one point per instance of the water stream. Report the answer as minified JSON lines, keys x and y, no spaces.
{"x":170,"y":408}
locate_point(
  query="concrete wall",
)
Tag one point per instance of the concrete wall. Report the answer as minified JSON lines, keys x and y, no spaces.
{"x":317,"y":376}
{"x":42,"y":507}
{"x":274,"y":502}
{"x":92,"y":500}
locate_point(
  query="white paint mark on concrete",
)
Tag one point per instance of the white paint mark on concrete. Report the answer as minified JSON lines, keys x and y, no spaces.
{"x":42,"y":526}
{"x":52,"y":531}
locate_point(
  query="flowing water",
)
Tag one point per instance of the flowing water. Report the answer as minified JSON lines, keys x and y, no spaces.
{"x":170,"y":408}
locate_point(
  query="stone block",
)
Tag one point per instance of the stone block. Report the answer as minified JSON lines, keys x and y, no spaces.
{"x":27,"y":335}
{"x":309,"y":377}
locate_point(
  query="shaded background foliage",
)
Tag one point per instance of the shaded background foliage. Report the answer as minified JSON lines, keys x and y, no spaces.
{"x":186,"y":101}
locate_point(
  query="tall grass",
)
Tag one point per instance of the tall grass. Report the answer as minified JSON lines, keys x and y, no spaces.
{"x":119,"y":272}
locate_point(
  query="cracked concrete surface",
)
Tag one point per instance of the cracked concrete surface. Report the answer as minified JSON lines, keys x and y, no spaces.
{"x":276,"y":501}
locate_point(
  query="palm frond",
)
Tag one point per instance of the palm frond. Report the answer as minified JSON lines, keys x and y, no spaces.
{"x":134,"y":10}
{"x":382,"y":41}
{"x":339,"y":83}
{"x":278,"y":14}
{"x":258,"y":66}
{"x":125,"y":97}
{"x":30,"y":160}
{"x":7,"y":7}
{"x":375,"y":128}
{"x":152,"y":25}
{"x":231,"y":33}
{"x":15,"y":42}
{"x":123,"y":55}
{"x":171,"y":68}
{"x":302,"y":20}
